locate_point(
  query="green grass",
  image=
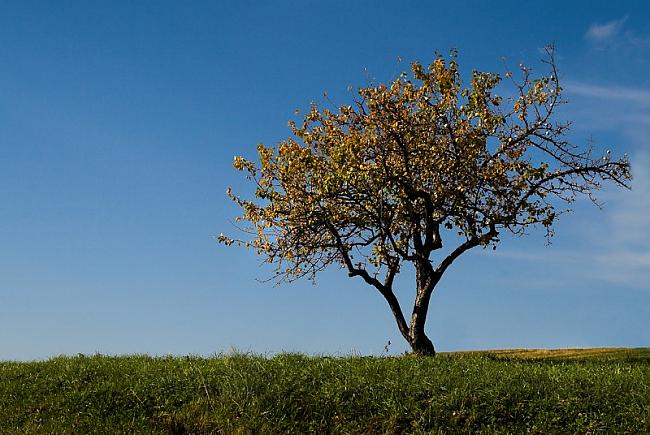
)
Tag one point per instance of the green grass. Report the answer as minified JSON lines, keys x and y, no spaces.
{"x":524,"y":391}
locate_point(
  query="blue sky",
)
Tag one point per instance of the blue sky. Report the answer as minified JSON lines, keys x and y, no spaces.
{"x":119,"y":122}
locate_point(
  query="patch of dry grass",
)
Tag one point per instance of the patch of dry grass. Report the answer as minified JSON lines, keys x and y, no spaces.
{"x":619,"y":353}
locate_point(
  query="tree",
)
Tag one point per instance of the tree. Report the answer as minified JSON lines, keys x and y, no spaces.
{"x":377,"y":184}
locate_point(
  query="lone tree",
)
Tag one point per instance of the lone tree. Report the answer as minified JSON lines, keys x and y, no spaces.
{"x":378,"y":184}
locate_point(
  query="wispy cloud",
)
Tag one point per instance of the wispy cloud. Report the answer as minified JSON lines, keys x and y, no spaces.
{"x":612,"y":246}
{"x":641,"y":96}
{"x":631,"y":212}
{"x":604,"y":32}
{"x":629,"y":233}
{"x":616,"y":245}
{"x":613,"y":108}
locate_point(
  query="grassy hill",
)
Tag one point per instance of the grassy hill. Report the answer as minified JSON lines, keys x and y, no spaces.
{"x":499,"y":391}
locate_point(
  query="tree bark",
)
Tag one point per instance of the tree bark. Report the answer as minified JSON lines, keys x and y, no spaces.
{"x":421,"y":345}
{"x":426,"y":279}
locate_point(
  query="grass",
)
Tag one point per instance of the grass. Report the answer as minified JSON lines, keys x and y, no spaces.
{"x":513,"y":391}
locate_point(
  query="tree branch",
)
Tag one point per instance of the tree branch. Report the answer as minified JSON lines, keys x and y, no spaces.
{"x":386,"y":292}
{"x":467,"y":245}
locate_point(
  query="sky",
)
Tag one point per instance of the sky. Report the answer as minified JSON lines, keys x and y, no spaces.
{"x":119,"y":122}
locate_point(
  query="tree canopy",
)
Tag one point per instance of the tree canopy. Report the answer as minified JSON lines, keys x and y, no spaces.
{"x":412,"y":164}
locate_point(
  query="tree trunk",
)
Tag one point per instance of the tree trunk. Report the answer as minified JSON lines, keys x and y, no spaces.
{"x":421,"y":345}
{"x":426,"y":279}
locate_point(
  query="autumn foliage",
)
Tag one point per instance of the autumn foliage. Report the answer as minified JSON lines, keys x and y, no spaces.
{"x":384,"y":181}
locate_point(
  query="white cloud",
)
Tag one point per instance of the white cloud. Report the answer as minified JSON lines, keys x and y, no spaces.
{"x":640,"y":96}
{"x":613,"y":245}
{"x":604,"y":32}
{"x":615,"y":109}
{"x":632,"y":213}
{"x":621,"y":243}
{"x":625,"y":258}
